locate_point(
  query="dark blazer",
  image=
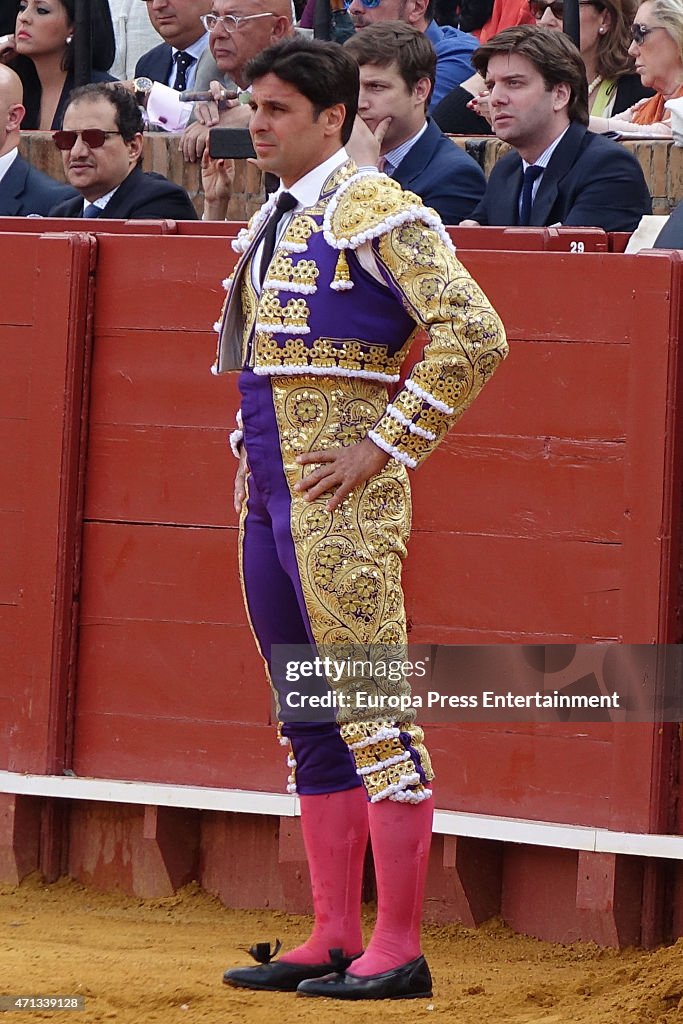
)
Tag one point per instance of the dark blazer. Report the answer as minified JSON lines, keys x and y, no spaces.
{"x":443,"y":175}
{"x":590,"y":181}
{"x":155,"y":64}
{"x":671,"y":235}
{"x":140,"y":196}
{"x":26,"y":190}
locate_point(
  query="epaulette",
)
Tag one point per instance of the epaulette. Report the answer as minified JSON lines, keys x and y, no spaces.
{"x":369,"y":205}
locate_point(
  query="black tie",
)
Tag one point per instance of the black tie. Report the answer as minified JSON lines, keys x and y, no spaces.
{"x":530,"y":175}
{"x":285,"y":203}
{"x":183,"y":61}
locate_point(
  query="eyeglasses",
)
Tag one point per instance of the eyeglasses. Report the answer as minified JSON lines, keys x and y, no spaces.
{"x":92,"y":137}
{"x":366,"y":3}
{"x":230,"y":22}
{"x":538,"y":7}
{"x":639,"y":33}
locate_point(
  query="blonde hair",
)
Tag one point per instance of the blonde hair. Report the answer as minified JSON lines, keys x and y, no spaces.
{"x":669,"y":13}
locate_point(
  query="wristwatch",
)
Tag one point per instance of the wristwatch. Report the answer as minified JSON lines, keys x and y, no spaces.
{"x":142,"y":87}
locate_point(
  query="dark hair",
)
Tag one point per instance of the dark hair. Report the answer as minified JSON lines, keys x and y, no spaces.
{"x":612,"y":59}
{"x":554,"y":56}
{"x":103,"y":51}
{"x":322,"y":72}
{"x":127,"y":114}
{"x":395,"y":42}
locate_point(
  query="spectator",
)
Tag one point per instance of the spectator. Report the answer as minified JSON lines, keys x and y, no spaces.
{"x":175,"y":61}
{"x":453,"y":47}
{"x":101,"y":146}
{"x":234,"y":39}
{"x":397,"y":66}
{"x":605,"y":29}
{"x":42,"y":53}
{"x":133,"y":33}
{"x":657,"y":49}
{"x":560,"y":173}
{"x":23,"y":189}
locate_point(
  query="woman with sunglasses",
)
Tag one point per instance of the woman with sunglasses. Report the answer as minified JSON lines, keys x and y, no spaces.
{"x":613,"y":85}
{"x":657,"y":49}
{"x":41,"y":51}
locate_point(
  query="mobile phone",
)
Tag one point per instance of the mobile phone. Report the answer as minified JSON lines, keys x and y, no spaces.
{"x":230,"y":143}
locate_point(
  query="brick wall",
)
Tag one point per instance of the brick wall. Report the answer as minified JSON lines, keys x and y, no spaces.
{"x":662,"y":164}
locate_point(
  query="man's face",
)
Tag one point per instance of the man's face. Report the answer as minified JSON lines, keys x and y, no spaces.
{"x":233,"y":49}
{"x":525,"y":113}
{"x":94,"y":172}
{"x":410,"y":11}
{"x":383,"y":93}
{"x":177,"y":21}
{"x":288,"y":137}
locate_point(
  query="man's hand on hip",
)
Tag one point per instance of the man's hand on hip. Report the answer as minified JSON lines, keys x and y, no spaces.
{"x":341,"y":470}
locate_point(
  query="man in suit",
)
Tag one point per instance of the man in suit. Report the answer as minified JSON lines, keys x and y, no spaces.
{"x":560,"y":173}
{"x":101,"y":145}
{"x":174,"y":62}
{"x":453,"y":47}
{"x":23,"y":189}
{"x":397,"y":66}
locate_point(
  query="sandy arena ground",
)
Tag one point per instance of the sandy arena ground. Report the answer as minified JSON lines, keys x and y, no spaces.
{"x":143,"y":961}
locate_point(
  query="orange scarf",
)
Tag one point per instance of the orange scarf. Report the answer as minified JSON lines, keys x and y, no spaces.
{"x":653,"y":111}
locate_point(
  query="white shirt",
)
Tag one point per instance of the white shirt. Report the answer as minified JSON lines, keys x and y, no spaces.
{"x":306,"y":191}
{"x":102,"y":201}
{"x":6,"y":161}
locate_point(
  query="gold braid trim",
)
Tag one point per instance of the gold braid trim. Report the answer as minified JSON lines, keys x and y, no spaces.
{"x":387,"y":757}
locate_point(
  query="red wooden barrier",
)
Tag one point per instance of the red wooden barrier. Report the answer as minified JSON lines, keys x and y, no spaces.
{"x":556,"y":519}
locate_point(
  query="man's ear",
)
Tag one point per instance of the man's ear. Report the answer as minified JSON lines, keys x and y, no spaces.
{"x":334,"y":118}
{"x":562,"y":95}
{"x":15,"y":116}
{"x":281,"y":29}
{"x":422,"y":89}
{"x":415,"y":11}
{"x":135,"y":147}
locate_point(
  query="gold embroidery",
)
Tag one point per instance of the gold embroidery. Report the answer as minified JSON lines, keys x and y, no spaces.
{"x":290,"y":318}
{"x":349,"y":560}
{"x":367,"y":203}
{"x":282,"y":268}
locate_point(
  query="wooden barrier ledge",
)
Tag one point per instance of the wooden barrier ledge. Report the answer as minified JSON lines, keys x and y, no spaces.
{"x":662,"y":164}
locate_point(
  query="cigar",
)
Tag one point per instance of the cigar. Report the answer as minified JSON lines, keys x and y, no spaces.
{"x":191,"y":96}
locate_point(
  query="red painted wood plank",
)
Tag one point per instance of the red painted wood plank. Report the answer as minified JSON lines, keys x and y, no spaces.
{"x":196,"y":671}
{"x":160,"y":573}
{"x":185,"y":753}
{"x":12,"y":557}
{"x":558,"y":306}
{"x":147,"y":377}
{"x":516,"y":584}
{"x":170,"y":283}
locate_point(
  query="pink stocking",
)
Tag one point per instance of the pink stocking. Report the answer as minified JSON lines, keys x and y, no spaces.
{"x":401,"y":834}
{"x":335,"y":830}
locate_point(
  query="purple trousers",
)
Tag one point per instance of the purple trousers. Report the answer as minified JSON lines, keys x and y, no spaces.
{"x":272,"y":588}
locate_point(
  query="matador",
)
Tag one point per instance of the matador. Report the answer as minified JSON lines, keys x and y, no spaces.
{"x":318,"y":331}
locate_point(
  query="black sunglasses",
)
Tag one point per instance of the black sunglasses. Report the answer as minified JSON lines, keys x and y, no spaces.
{"x":538,"y":7}
{"x":639,"y":33}
{"x":93,"y":138}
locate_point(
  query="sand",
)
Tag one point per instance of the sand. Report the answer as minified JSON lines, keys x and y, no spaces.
{"x":142,"y":961}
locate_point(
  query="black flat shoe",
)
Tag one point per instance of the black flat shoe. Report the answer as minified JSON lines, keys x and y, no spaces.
{"x":411,"y":981}
{"x":279,"y":976}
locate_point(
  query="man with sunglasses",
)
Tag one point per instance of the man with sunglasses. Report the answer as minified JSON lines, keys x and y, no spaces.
{"x":560,"y":173}
{"x":101,"y":146}
{"x":453,"y":47}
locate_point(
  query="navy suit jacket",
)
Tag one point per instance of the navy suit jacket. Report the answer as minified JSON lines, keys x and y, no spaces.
{"x":590,"y":181}
{"x":25,"y":190}
{"x":140,"y":196}
{"x":443,"y":175}
{"x":156,"y":64}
